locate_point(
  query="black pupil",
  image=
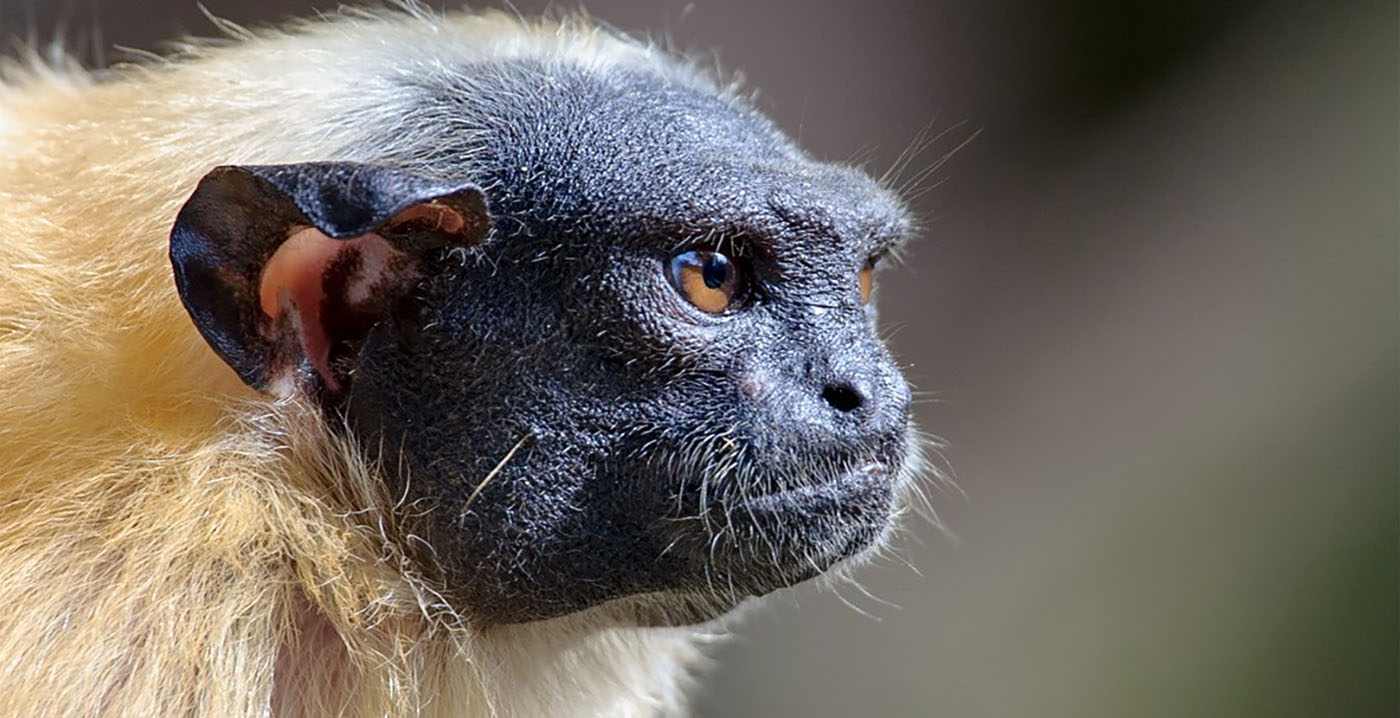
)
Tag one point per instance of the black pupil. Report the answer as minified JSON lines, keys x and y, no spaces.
{"x":715,"y":270}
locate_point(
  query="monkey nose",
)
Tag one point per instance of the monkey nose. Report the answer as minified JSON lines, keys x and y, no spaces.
{"x":871,"y":399}
{"x":852,"y":395}
{"x":844,"y":396}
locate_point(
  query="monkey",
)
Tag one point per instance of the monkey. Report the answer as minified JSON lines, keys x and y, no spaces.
{"x":409,"y":363}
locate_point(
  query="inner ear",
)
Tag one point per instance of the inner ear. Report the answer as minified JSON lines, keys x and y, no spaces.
{"x":285,"y":269}
{"x":323,"y":295}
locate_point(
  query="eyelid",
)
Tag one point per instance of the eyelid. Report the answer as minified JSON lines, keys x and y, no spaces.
{"x":734,"y":246}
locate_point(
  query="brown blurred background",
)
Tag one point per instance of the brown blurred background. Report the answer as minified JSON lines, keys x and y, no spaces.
{"x":1154,"y":315}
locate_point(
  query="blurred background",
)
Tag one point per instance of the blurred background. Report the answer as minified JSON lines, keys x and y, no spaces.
{"x":1153,"y":314}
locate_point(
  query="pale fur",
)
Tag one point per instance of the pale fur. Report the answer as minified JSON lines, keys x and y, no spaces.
{"x":171,"y":542}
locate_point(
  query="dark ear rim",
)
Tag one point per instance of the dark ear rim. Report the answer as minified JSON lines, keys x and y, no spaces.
{"x":238,"y":216}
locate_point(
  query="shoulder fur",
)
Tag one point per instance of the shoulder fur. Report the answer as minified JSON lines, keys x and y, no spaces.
{"x":170,"y":542}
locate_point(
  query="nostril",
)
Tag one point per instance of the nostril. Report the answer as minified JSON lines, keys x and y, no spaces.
{"x":842,"y":397}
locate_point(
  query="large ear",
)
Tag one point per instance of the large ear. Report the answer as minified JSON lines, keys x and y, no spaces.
{"x":285,"y":268}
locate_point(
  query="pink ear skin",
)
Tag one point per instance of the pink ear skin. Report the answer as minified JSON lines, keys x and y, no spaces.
{"x":435,"y":217}
{"x":315,"y":282}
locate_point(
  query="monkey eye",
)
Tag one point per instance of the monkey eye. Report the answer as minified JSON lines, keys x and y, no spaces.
{"x":710,"y":280}
{"x":867,"y":281}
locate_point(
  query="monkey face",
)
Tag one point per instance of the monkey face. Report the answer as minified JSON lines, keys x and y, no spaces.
{"x":653,"y":385}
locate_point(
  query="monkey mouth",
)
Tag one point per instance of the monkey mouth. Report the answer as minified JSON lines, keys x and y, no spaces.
{"x":825,"y":521}
{"x":797,"y":531}
{"x":865,"y":485}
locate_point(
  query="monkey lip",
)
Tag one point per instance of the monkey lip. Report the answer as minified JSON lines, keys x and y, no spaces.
{"x":766,"y":540}
{"x":853,"y":490}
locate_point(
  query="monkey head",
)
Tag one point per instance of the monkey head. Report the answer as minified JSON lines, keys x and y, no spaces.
{"x":608,"y":334}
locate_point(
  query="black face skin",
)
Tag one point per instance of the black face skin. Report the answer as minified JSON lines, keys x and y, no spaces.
{"x":656,"y":450}
{"x":664,"y":449}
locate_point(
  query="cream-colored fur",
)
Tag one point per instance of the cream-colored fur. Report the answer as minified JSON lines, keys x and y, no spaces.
{"x":172,"y":543}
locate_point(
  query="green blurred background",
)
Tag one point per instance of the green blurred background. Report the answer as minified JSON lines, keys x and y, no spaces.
{"x":1153,"y":314}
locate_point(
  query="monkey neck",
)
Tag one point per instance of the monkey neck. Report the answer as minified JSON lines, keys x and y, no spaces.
{"x":545,"y":670}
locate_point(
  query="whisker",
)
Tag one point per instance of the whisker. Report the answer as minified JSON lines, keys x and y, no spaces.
{"x":491,"y":475}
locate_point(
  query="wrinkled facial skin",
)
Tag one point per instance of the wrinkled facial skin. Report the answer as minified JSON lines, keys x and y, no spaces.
{"x":655,"y":450}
